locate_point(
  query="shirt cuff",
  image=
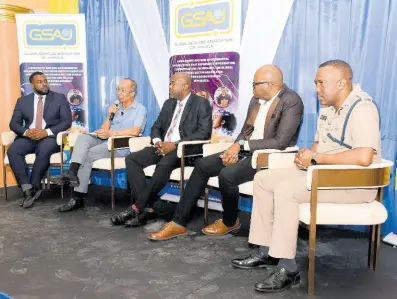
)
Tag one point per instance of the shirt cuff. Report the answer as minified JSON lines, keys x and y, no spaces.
{"x":246,"y":146}
{"x":24,"y":133}
{"x":49,"y":132}
{"x":155,"y":140}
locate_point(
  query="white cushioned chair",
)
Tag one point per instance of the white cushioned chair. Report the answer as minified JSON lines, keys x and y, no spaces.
{"x":56,"y":160}
{"x":108,"y":165}
{"x":179,"y":174}
{"x":260,"y":160}
{"x":375,"y":176}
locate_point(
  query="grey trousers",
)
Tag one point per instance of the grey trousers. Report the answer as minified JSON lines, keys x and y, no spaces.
{"x":87,"y":150}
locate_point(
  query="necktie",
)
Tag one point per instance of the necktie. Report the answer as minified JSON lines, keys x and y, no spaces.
{"x":174,"y":123}
{"x":39,"y":114}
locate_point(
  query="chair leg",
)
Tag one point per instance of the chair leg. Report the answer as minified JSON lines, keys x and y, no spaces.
{"x":48,"y":179}
{"x":371,"y":246}
{"x":376,"y":247}
{"x":5,"y":180}
{"x":113,"y":189}
{"x":312,"y":259}
{"x":206,"y":206}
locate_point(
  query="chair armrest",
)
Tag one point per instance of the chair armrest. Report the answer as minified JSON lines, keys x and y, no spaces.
{"x":61,"y":136}
{"x":119,"y":142}
{"x":279,"y":160}
{"x":139,"y":143}
{"x":182,"y":144}
{"x":340,"y":176}
{"x":73,"y":137}
{"x":7,"y":138}
{"x":261,"y":157}
{"x":216,"y":147}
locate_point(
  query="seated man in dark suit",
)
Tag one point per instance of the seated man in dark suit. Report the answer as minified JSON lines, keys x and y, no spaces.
{"x":183,"y":117}
{"x":273,"y":120}
{"x":37,"y":119}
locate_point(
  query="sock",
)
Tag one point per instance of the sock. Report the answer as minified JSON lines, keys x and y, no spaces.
{"x":289,"y":264}
{"x":79,"y":195}
{"x":74,"y":168}
{"x":264,"y":250}
{"x":150,"y":210}
{"x":135,"y":208}
{"x":26,"y":187}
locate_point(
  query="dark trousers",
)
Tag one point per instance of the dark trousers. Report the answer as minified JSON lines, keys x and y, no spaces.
{"x":229,"y":179}
{"x":146,"y":194}
{"x":42,"y":148}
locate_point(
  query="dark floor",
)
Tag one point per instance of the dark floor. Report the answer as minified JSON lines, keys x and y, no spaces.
{"x":46,"y":255}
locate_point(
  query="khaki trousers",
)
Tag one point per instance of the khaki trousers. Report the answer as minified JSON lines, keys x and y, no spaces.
{"x":275,"y":211}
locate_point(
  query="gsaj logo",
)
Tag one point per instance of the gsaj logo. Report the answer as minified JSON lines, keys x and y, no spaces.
{"x":51,"y":35}
{"x":204,"y":19}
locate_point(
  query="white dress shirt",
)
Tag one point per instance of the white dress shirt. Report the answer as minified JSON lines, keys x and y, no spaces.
{"x":259,"y":124}
{"x":33,"y":124}
{"x":175,"y":134}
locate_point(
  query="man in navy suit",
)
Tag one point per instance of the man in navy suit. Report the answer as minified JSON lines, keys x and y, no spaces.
{"x":37,"y":119}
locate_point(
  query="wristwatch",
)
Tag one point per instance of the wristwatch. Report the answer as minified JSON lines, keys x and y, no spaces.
{"x":313,"y":160}
{"x":241,"y":143}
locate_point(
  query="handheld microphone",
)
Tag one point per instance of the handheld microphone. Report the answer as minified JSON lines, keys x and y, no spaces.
{"x":111,"y":116}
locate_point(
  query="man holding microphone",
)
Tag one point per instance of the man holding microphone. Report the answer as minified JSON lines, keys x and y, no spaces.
{"x":128,"y":118}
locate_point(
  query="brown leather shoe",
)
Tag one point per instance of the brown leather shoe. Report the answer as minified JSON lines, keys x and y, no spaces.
{"x":218,"y":228}
{"x":169,"y":231}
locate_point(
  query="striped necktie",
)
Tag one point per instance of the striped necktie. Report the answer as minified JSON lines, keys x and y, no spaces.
{"x":39,"y":114}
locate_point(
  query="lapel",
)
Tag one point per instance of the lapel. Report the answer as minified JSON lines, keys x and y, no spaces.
{"x":48,"y":100}
{"x":169,"y":118}
{"x":187,"y":109}
{"x":30,"y":113}
{"x":272,"y":108}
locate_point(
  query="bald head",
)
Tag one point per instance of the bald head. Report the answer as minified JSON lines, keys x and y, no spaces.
{"x":180,"y":86}
{"x":126,"y":91}
{"x":268,"y":81}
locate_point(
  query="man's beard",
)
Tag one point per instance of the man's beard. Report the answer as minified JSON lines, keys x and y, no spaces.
{"x":42,"y":93}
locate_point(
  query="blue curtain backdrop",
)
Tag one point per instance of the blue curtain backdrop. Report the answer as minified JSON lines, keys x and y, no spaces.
{"x":358,"y":31}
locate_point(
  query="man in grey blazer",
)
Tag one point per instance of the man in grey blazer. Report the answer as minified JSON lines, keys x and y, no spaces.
{"x":273,"y":120}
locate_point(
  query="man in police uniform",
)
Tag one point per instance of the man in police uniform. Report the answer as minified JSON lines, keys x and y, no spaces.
{"x":277,"y":192}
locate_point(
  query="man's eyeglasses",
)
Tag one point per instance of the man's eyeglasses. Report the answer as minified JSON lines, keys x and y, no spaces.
{"x":261,"y":82}
{"x":122,"y":90}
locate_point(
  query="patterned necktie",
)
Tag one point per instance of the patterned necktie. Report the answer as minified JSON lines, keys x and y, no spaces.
{"x":174,"y":123}
{"x":39,"y":114}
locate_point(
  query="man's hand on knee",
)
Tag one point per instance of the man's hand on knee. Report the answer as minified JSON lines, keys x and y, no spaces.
{"x":167,"y":147}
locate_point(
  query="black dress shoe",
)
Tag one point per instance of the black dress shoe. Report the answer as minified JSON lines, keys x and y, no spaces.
{"x":256,"y":260}
{"x":279,"y":280}
{"x":67,"y":178}
{"x":122,"y":217}
{"x":35,"y":194}
{"x":73,"y":204}
{"x":141,"y":219}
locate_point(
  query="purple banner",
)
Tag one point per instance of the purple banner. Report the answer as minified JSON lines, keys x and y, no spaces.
{"x":215,"y":77}
{"x":66,"y":78}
